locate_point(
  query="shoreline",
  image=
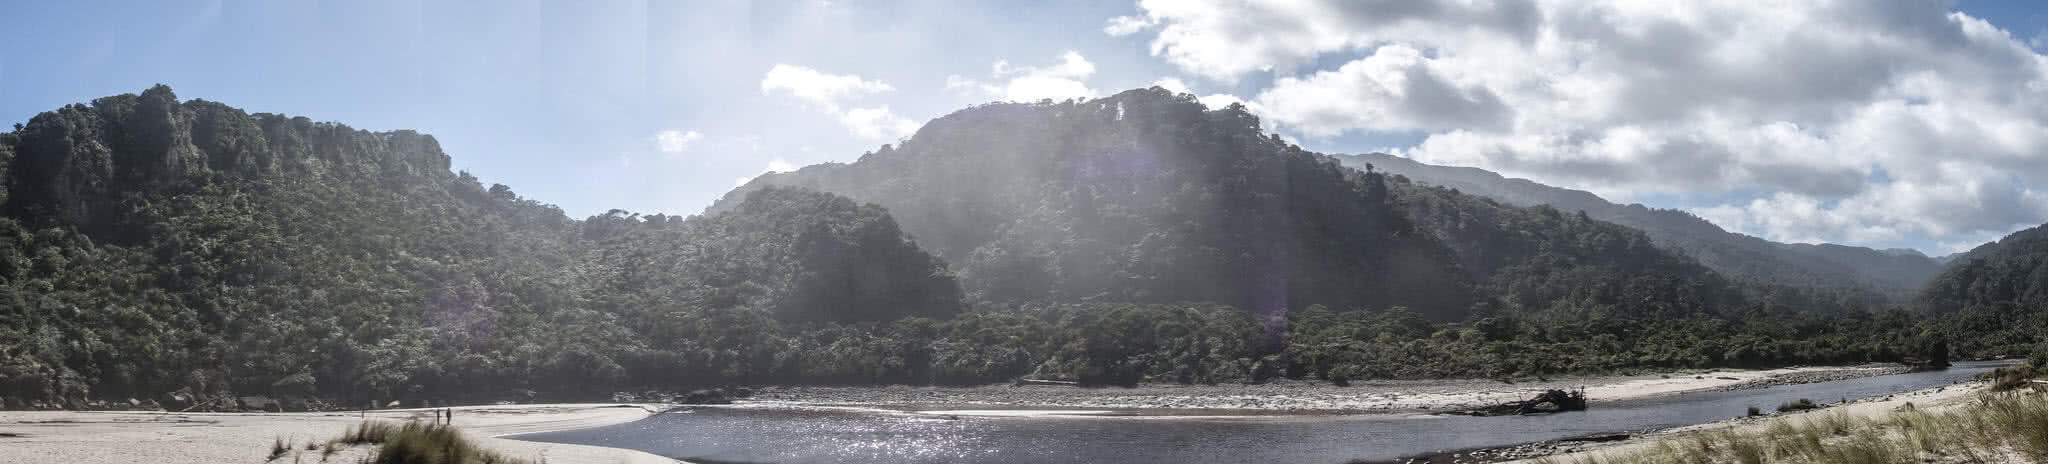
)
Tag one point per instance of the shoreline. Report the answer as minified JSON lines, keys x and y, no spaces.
{"x":108,"y":437}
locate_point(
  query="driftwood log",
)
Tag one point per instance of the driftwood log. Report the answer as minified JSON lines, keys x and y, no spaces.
{"x":1056,"y":383}
{"x":1544,"y":403}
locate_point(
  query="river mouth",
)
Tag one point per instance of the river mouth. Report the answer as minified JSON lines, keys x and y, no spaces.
{"x":799,"y":434}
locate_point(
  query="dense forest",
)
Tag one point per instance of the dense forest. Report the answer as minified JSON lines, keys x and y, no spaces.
{"x":1856,"y":273}
{"x":151,"y":245}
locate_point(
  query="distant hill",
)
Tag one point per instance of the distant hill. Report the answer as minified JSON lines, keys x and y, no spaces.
{"x":1148,"y":196}
{"x":2003,"y":277}
{"x":1896,"y":273}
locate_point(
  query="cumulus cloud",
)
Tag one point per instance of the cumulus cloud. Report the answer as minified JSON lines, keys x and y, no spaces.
{"x":1858,"y":122}
{"x":1125,"y":25}
{"x":675,"y":141}
{"x":818,"y":88}
{"x":1393,"y":89}
{"x":831,"y":93}
{"x":1063,"y":80}
{"x":1219,"y":100}
{"x":1172,"y":84}
{"x":877,"y":123}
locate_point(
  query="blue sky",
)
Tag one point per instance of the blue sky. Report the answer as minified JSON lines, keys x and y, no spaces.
{"x":568,"y":102}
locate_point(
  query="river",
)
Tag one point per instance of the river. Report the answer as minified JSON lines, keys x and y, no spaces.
{"x":845,"y":435}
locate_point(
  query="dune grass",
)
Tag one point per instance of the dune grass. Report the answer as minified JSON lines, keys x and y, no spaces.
{"x":1998,"y":427}
{"x":418,"y":443}
{"x":278,"y":448}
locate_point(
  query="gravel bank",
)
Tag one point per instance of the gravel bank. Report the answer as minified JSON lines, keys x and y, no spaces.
{"x":1818,"y":375}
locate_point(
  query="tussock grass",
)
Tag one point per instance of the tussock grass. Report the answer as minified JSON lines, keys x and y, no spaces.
{"x":418,"y":443}
{"x":278,"y":448}
{"x":2015,"y":377}
{"x":1998,"y":427}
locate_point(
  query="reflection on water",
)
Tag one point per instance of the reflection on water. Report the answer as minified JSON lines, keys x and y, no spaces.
{"x":762,"y":435}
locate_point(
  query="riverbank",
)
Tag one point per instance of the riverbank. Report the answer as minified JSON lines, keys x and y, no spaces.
{"x":104,"y":437}
{"x":1303,"y":397}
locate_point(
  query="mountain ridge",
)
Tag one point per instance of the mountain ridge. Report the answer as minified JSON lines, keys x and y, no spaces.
{"x":1895,"y":275}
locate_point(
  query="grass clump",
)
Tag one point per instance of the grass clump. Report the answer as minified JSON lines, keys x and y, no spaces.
{"x":2020,"y":376}
{"x":418,"y":443}
{"x":1999,"y":427}
{"x":2015,"y":377}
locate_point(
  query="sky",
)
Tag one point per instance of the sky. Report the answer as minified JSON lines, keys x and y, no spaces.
{"x":1899,"y":123}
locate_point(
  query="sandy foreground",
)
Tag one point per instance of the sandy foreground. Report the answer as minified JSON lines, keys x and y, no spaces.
{"x":76,"y":437}
{"x":1931,"y":399}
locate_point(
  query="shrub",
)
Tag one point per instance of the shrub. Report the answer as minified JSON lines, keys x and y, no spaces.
{"x":417,"y":443}
{"x":1755,"y":411}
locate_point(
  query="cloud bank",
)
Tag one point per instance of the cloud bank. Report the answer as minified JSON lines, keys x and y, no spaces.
{"x":1860,"y":122}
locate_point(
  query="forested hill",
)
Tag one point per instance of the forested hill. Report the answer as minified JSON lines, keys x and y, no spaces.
{"x":1148,"y":196}
{"x":151,"y":245}
{"x":2008,"y":277}
{"x":1892,"y":273}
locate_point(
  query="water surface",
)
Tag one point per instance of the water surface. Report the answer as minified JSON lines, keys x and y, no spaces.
{"x":777,"y":435}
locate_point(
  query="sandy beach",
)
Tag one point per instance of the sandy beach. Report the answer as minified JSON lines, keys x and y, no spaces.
{"x":86,"y":437}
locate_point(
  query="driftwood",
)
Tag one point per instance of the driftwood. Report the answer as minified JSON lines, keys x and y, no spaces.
{"x":1057,"y":383}
{"x":1547,"y":402}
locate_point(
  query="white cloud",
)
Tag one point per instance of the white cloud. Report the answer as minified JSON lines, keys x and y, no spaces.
{"x":675,"y":141}
{"x":832,"y":92}
{"x":826,"y":90}
{"x":1218,"y":100}
{"x":1393,"y":89}
{"x":1830,"y":121}
{"x":877,"y":123}
{"x":1125,"y":25}
{"x":1172,"y":84}
{"x":1064,"y":80}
